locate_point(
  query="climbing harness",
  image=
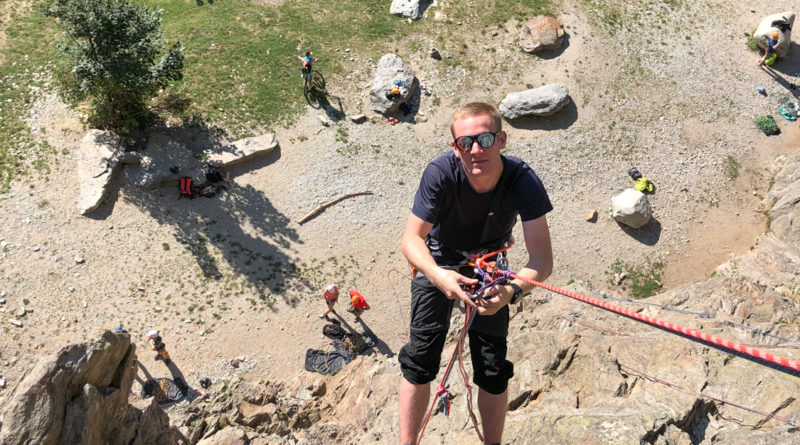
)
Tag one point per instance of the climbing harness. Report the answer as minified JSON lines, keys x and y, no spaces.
{"x":496,"y":275}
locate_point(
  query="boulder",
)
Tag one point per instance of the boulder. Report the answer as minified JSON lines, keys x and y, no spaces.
{"x":781,"y":22}
{"x":80,"y":396}
{"x":391,"y":68}
{"x":162,"y":153}
{"x":541,"y":33}
{"x":97,"y":165}
{"x":409,"y":8}
{"x":631,"y":208}
{"x":543,"y":101}
{"x":782,"y":199}
{"x":242,"y":150}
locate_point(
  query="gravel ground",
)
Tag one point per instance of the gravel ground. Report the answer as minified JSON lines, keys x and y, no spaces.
{"x":651,"y":93}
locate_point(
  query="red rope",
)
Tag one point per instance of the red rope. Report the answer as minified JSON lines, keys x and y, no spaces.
{"x":441,"y":391}
{"x":748,"y":350}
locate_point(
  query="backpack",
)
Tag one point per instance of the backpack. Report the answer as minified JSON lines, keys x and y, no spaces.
{"x":185,"y":185}
{"x":212,"y":174}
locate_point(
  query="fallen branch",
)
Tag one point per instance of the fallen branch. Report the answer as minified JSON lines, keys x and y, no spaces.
{"x":322,"y":207}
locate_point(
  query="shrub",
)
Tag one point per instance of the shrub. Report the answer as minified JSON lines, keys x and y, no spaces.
{"x":767,"y":124}
{"x":752,"y":44}
{"x":111,"y":49}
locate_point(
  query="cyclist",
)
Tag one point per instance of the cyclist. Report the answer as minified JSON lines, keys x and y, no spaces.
{"x":307,"y":64}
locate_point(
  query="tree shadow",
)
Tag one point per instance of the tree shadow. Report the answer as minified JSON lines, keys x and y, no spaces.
{"x":562,"y":120}
{"x":239,"y":226}
{"x":648,"y":234}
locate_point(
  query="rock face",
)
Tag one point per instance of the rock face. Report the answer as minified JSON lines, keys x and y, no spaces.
{"x":541,"y":33}
{"x":97,"y":165}
{"x":543,"y":101}
{"x":391,"y":68}
{"x":79,"y":397}
{"x":776,"y":22}
{"x":409,"y":8}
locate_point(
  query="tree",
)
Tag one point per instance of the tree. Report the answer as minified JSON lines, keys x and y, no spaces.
{"x":112,"y":49}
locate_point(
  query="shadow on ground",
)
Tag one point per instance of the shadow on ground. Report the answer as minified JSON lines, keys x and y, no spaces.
{"x":239,"y":226}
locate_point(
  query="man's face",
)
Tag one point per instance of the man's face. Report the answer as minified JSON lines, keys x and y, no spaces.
{"x":478,"y":161}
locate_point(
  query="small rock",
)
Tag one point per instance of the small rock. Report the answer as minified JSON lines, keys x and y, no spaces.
{"x":2,"y":383}
{"x":71,"y":289}
{"x":84,"y":304}
{"x":435,"y":55}
{"x":21,"y":312}
{"x":140,"y":289}
{"x":620,"y":277}
{"x":324,"y":120}
{"x":591,"y":215}
{"x":3,"y":294}
{"x":235,"y":363}
{"x":79,"y":260}
{"x":357,"y":118}
{"x":494,"y":33}
{"x":16,"y":323}
{"x":422,"y":118}
{"x":2,"y":301}
{"x":308,"y":314}
{"x":347,"y":50}
{"x":188,"y":320}
{"x":36,"y":248}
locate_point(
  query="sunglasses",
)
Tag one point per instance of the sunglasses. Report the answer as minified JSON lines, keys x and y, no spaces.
{"x":485,"y":140}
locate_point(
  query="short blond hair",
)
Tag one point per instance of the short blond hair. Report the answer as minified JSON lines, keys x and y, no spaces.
{"x":475,"y":109}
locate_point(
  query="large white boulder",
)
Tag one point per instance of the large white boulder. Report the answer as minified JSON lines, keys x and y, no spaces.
{"x":631,"y":208}
{"x":97,"y":165}
{"x":409,"y":8}
{"x":542,"y":101}
{"x":391,"y":68}
{"x":772,"y":23}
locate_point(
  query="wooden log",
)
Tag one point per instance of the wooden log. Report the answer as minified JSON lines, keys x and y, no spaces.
{"x":322,"y":207}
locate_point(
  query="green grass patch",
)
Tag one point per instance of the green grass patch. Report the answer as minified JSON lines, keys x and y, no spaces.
{"x":641,"y":281}
{"x":752,"y":43}
{"x":731,"y":168}
{"x":766,"y":124}
{"x":27,"y":52}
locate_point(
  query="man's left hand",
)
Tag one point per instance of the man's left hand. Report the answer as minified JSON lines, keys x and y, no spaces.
{"x":494,"y":299}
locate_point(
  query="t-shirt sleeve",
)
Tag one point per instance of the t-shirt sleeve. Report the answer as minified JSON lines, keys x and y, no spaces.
{"x":430,"y":195}
{"x":531,"y":195}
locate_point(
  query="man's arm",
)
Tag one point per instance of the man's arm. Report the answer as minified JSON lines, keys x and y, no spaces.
{"x":415,"y":250}
{"x":538,"y":267}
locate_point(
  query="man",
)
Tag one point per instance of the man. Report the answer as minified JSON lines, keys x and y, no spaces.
{"x":772,"y":44}
{"x":468,"y":200}
{"x":308,"y":63}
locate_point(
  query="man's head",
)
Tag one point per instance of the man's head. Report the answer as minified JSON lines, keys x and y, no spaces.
{"x":474,"y":109}
{"x":477,"y":141}
{"x":308,"y":53}
{"x":775,"y":34}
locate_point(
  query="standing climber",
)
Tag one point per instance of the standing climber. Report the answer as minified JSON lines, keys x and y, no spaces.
{"x":357,"y":304}
{"x":158,"y":345}
{"x":331,"y":295}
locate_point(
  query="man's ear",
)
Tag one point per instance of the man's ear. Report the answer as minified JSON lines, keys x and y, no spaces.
{"x":502,"y":137}
{"x":453,"y":146}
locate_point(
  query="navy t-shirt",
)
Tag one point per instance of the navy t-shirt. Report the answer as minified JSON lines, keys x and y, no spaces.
{"x":466,"y":221}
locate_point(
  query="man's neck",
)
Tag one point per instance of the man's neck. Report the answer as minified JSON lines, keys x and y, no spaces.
{"x":485,"y":184}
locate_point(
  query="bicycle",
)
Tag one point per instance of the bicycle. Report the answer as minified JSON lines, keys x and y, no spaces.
{"x":314,"y":88}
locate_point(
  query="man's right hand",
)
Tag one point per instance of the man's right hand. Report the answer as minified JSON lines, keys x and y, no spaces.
{"x":450,"y":282}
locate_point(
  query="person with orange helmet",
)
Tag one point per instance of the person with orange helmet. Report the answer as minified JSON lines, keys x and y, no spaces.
{"x":331,"y":295}
{"x":357,"y":304}
{"x":769,"y":52}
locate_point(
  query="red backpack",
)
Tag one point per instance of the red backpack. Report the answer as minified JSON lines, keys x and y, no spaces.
{"x":186,"y":187}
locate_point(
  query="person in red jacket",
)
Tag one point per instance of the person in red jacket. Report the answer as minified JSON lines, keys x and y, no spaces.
{"x":357,"y":304}
{"x":331,"y":295}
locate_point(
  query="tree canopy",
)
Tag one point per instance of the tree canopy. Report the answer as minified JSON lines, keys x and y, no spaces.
{"x":115,"y":57}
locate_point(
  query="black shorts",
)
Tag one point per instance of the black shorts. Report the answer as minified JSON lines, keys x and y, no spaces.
{"x":420,"y":358}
